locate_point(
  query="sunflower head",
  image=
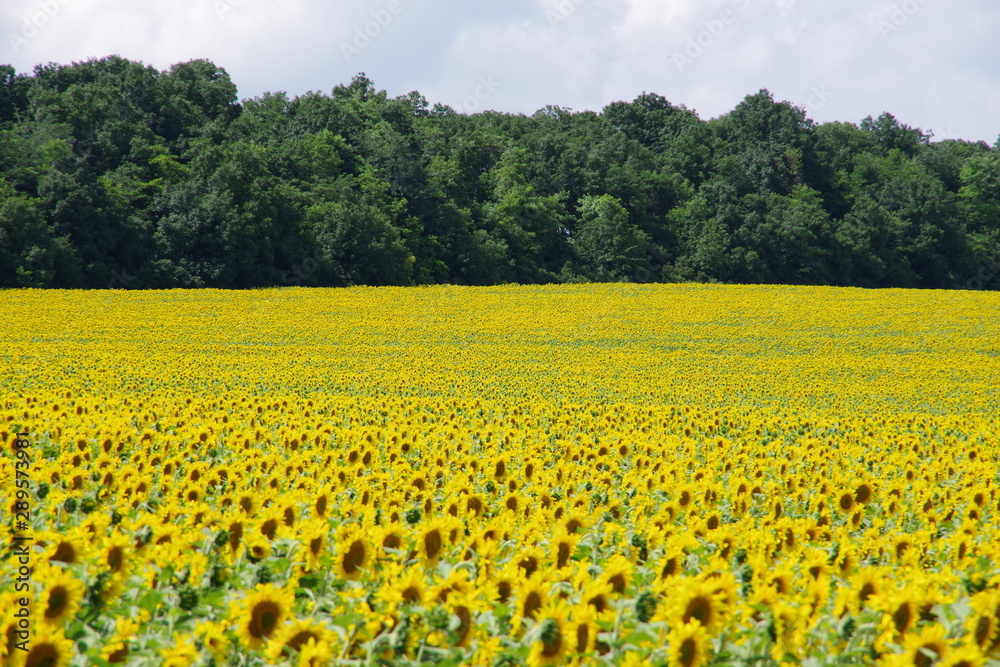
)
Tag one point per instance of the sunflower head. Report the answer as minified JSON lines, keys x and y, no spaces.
{"x":315,"y":654}
{"x":928,"y":647}
{"x":293,"y":637}
{"x":262,"y":613}
{"x":698,"y":601}
{"x":48,"y":648}
{"x":689,"y":645}
{"x":62,"y":596}
{"x":552,"y":638}
{"x":353,"y":554}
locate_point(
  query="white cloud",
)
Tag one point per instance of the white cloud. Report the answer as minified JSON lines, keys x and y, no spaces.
{"x":931,"y":63}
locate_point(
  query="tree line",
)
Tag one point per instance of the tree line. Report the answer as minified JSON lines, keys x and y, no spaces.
{"x":115,"y":174}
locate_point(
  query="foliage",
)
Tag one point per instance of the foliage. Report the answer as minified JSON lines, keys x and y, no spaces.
{"x":611,"y":474}
{"x":118,"y":174}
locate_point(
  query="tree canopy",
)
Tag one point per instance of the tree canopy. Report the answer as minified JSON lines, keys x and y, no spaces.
{"x":115,"y":174}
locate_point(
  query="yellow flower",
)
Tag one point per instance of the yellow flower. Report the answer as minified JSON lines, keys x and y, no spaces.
{"x":182,"y":654}
{"x":927,"y":647}
{"x":964,"y":656}
{"x":688,"y":645}
{"x":315,"y":654}
{"x":213,"y":637}
{"x":292,"y":637}
{"x":486,"y":652}
{"x":262,"y":613}
{"x":314,"y":543}
{"x":48,"y":648}
{"x":354,"y":553}
{"x":61,"y":596}
{"x":530,"y":598}
{"x":696,"y":600}
{"x":582,"y":630}
{"x":116,"y":651}
{"x":552,"y":638}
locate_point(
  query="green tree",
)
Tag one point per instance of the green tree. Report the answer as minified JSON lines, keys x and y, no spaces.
{"x":357,"y":234}
{"x":610,"y":246}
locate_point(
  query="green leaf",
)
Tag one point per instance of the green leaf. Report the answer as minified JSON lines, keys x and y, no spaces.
{"x":151,"y":601}
{"x":76,"y":630}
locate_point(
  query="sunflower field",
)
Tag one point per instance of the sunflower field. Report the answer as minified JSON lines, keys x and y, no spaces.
{"x":539,"y":475}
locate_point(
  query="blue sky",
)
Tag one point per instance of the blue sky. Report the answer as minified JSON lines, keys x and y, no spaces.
{"x":933,"y":64}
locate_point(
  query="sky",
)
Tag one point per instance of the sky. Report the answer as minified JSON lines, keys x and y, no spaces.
{"x":933,"y":64}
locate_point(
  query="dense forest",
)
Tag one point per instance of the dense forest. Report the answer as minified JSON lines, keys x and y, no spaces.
{"x":115,"y":174}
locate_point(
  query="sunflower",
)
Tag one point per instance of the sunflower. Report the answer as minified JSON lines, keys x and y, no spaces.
{"x":866,"y":585}
{"x":696,"y":600}
{"x":785,"y":620}
{"x":983,"y":623}
{"x":431,"y":541}
{"x":182,"y":654}
{"x":927,"y":647}
{"x":315,"y":654}
{"x":94,"y":526}
{"x":116,"y":651}
{"x":964,"y":656}
{"x":464,"y":605}
{"x":389,"y":540}
{"x":68,"y":548}
{"x":292,"y":637}
{"x":48,"y":648}
{"x":321,"y":504}
{"x":457,"y":581}
{"x":213,"y":638}
{"x":403,"y":587}
{"x":594,"y":592}
{"x":863,"y":493}
{"x":8,"y":629}
{"x":552,"y":636}
{"x":672,"y":564}
{"x":846,"y":502}
{"x":899,"y":614}
{"x":506,"y":581}
{"x":576,"y":522}
{"x":61,"y":597}
{"x":846,"y":561}
{"x":529,"y":559}
{"x":618,"y":573}
{"x":723,"y":583}
{"x":353,"y":553}
{"x":582,"y":630}
{"x":689,"y":645}
{"x":531,"y":596}
{"x":313,"y":540}
{"x":262,"y":613}
{"x":258,"y":548}
{"x":269,"y":524}
{"x":487,"y":651}
{"x":116,"y":555}
{"x":563,"y":546}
